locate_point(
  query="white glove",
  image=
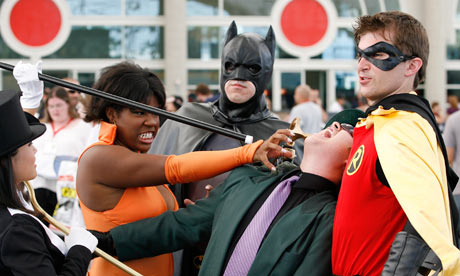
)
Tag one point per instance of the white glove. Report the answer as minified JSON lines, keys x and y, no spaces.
{"x":32,"y":88}
{"x":79,"y":236}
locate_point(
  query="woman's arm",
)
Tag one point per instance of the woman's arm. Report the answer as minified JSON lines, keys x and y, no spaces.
{"x":117,"y":166}
{"x":25,"y":252}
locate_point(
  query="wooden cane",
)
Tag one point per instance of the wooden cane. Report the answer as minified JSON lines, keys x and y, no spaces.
{"x":66,"y":231}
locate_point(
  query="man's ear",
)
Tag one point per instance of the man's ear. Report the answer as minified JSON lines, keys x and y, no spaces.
{"x":413,"y":66}
{"x":111,"y":114}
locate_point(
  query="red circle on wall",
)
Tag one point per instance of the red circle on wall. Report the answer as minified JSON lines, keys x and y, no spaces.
{"x":304,"y":22}
{"x":35,"y":23}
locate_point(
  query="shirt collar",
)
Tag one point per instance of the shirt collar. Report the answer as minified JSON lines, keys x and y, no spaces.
{"x":314,"y":182}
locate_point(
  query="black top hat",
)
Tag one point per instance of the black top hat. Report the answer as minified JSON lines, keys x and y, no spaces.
{"x":17,"y":127}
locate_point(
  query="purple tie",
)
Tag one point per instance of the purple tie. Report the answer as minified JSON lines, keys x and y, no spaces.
{"x":246,"y":249}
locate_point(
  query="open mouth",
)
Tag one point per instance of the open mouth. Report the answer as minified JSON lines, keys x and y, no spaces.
{"x":364,"y":79}
{"x":146,"y":137}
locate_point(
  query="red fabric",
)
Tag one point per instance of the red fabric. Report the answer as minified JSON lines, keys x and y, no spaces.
{"x":367,"y":217}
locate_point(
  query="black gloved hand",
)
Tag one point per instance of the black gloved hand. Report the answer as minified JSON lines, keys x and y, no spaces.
{"x":105,"y":242}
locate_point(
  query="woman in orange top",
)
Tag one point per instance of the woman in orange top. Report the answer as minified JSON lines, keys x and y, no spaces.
{"x":117,"y":185}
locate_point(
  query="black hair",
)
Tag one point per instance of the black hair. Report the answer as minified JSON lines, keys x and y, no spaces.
{"x":126,"y":80}
{"x":9,"y":189}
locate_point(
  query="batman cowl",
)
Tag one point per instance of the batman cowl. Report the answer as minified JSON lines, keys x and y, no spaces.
{"x":246,"y":57}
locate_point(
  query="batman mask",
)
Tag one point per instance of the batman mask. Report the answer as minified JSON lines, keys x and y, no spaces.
{"x":246,"y":57}
{"x":383,"y":55}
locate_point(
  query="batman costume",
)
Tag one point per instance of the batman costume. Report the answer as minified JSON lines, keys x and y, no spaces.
{"x":245,"y":57}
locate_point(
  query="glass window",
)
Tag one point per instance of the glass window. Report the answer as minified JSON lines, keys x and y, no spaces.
{"x":348,"y":8}
{"x":289,"y":81}
{"x":453,"y":77}
{"x":392,"y":5}
{"x":202,"y":8}
{"x":453,"y":50}
{"x":208,"y":77}
{"x":144,"y":43}
{"x":95,"y":7}
{"x":343,"y":46}
{"x":144,"y":7}
{"x":345,"y":87}
{"x":256,"y":7}
{"x":316,"y":79}
{"x":203,"y":42}
{"x":86,"y":79}
{"x":91,"y":42}
{"x":57,"y":74}
{"x":372,"y":6}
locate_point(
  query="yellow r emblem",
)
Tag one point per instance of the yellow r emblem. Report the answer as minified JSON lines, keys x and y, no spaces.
{"x":355,"y":161}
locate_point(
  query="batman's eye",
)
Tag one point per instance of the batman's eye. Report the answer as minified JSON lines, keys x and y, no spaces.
{"x":229,"y":67}
{"x":254,"y":68}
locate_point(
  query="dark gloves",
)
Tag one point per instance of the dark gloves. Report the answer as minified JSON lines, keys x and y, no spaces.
{"x":105,"y":242}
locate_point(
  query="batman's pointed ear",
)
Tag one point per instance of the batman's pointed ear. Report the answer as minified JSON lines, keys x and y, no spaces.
{"x":231,"y":32}
{"x":270,"y":40}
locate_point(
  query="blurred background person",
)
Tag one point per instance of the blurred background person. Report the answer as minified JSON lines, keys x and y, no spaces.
{"x":451,"y":137}
{"x":73,"y":94}
{"x":439,"y":115}
{"x":337,"y":106}
{"x":204,"y":94}
{"x":78,"y":100}
{"x":64,"y":139}
{"x":452,"y":99}
{"x":173,"y":103}
{"x":309,"y":113}
{"x":316,"y":98}
{"x":362,"y":102}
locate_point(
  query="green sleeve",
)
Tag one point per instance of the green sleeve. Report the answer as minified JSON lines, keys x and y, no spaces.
{"x":168,"y":232}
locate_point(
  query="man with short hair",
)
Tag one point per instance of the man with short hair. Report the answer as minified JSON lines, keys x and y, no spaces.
{"x":397,"y":169}
{"x":307,"y":111}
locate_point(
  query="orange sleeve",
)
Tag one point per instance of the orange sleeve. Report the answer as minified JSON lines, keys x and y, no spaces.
{"x":192,"y":166}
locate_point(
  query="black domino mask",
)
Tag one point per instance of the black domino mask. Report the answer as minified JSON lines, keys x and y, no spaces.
{"x":395,"y":56}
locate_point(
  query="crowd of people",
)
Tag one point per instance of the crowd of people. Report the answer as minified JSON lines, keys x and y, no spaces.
{"x":370,"y":191}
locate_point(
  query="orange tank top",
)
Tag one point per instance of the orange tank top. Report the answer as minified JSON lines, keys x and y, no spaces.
{"x":128,"y":210}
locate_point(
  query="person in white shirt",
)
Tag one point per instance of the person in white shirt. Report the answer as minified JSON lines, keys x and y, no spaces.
{"x":308,"y":112}
{"x":64,"y":140}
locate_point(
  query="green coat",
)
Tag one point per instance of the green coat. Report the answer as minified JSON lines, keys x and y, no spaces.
{"x":299,"y":243}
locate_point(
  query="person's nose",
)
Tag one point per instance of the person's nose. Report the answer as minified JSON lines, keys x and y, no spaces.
{"x":363,"y":64}
{"x":152,"y":120}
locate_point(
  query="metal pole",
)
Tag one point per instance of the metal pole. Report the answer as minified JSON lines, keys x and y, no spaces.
{"x":130,"y":103}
